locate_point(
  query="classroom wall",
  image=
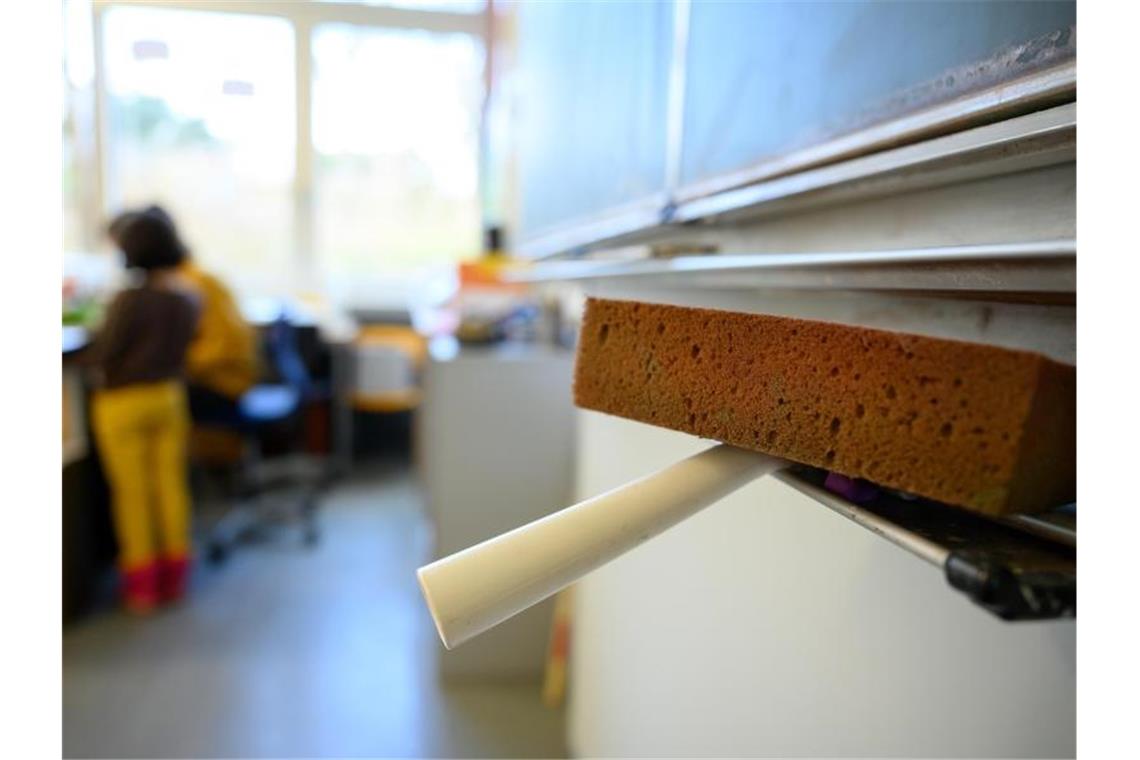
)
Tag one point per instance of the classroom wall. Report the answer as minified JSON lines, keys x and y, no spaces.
{"x":768,"y":625}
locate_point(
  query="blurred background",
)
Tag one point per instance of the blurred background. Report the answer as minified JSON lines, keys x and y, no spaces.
{"x":333,"y":165}
{"x":377,"y":185}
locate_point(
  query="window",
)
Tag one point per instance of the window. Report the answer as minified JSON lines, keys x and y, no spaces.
{"x":79,"y":192}
{"x":201,"y":119}
{"x":200,"y":111}
{"x":396,"y":176}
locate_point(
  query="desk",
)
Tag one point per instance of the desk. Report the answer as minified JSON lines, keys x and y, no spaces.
{"x":88,"y":539}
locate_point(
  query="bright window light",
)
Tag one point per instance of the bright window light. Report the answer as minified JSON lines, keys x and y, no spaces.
{"x":395,"y":129}
{"x":201,"y":116}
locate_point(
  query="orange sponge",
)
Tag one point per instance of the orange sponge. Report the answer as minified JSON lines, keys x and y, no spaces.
{"x":981,"y":427}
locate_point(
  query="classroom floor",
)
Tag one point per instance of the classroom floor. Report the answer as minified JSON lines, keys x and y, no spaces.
{"x":288,"y":652}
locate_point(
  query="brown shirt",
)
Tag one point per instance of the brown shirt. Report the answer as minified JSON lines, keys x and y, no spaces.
{"x":145,"y":336}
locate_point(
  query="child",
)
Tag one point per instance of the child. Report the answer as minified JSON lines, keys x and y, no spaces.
{"x":222,"y":362}
{"x":139,"y":412}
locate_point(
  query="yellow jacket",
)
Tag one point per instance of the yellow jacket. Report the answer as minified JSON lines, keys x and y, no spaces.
{"x":223,"y":355}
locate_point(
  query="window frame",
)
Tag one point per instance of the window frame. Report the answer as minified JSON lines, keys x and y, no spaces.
{"x":304,"y":18}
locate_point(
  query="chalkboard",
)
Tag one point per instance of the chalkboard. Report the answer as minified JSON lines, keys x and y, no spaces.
{"x":593,"y":82}
{"x":766,"y":78}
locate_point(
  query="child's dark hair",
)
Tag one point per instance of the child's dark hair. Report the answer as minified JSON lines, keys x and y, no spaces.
{"x":147,"y":239}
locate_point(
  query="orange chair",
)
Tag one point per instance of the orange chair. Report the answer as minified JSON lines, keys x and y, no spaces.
{"x":388,"y":360}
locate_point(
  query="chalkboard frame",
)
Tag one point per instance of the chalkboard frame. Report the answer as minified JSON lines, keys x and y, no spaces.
{"x":1034,"y":75}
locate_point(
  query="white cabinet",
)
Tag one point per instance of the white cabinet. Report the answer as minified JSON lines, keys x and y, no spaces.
{"x":496,"y":450}
{"x":769,"y":626}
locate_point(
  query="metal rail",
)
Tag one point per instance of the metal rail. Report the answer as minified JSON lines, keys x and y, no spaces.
{"x":1043,"y":267}
{"x":1010,"y":566}
{"x":862,"y":164}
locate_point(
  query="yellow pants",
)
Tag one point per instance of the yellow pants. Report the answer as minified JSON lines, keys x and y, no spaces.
{"x":142,"y":431}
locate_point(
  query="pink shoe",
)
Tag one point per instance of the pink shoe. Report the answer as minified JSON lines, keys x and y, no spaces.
{"x":140,"y":589}
{"x":173,"y":578}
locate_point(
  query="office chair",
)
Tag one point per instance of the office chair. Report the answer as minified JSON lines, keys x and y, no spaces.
{"x":270,"y":421}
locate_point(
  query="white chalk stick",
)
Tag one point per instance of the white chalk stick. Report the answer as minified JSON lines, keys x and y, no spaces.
{"x":480,"y":587}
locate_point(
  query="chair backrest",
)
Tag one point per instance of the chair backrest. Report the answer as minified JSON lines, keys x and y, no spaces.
{"x":285,"y":357}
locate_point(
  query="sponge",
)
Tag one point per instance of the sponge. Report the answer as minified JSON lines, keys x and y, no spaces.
{"x":989,"y":429}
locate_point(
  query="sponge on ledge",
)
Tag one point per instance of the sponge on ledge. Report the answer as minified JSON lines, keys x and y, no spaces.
{"x":986,"y":428}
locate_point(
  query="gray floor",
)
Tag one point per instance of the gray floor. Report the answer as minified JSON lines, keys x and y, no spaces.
{"x":286,"y":653}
